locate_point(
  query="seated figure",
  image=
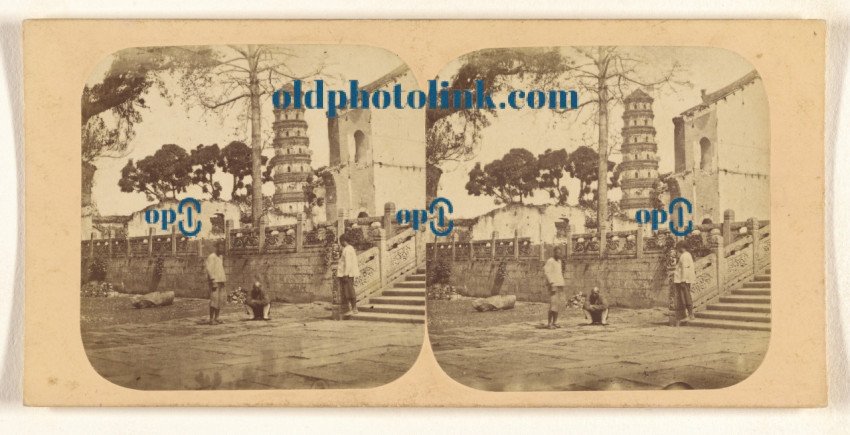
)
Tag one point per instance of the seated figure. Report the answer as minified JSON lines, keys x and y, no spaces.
{"x":597,"y":308}
{"x":258,"y":302}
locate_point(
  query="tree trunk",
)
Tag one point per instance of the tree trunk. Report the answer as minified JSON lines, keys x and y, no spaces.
{"x":432,"y":181}
{"x":256,"y":141}
{"x":87,"y":205}
{"x":602,"y":182}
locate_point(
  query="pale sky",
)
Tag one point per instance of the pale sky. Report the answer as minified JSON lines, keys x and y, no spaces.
{"x":537,"y":130}
{"x":163,"y":123}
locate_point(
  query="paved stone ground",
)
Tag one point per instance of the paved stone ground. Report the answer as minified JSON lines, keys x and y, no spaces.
{"x":300,"y":348}
{"x":499,"y":351}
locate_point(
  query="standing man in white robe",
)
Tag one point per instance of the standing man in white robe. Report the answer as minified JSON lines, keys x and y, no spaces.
{"x":216,"y":278}
{"x":683,"y":277}
{"x":553,"y":269}
{"x":347,"y":269}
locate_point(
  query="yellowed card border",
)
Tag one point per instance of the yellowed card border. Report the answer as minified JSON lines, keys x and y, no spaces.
{"x":788,"y":54}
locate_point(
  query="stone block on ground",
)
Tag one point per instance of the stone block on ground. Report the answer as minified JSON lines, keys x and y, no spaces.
{"x":495,"y":303}
{"x":154,"y":299}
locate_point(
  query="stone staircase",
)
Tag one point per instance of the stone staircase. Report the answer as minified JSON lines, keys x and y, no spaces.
{"x":403,"y":301}
{"x":746,"y":308}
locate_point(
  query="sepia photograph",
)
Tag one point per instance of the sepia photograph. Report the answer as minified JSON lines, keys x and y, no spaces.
{"x":619,"y":243}
{"x":230,"y":242}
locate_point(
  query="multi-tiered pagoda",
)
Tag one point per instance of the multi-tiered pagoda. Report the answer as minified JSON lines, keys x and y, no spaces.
{"x":639,"y":168}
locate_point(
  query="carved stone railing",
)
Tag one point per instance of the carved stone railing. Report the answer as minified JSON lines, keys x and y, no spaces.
{"x":763,"y":248}
{"x":728,"y":266}
{"x":621,"y":243}
{"x":706,"y":286}
{"x":494,"y":249}
{"x":462,"y":250}
{"x":162,"y":245}
{"x":583,"y":245}
{"x":101,"y":248}
{"x":242,"y":241}
{"x":139,"y":246}
{"x":388,"y":261}
{"x":725,"y":255}
{"x":369,"y":280}
{"x":282,"y":238}
{"x":320,"y":235}
{"x":482,"y":249}
{"x":738,"y":259}
{"x":527,"y":249}
{"x":250,"y":241}
{"x":504,"y":248}
{"x":119,"y":247}
{"x":401,"y":253}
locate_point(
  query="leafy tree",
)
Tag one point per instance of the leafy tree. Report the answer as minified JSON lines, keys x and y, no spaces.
{"x":319,"y":178}
{"x":204,"y":160}
{"x":590,"y":218}
{"x":111,"y":108}
{"x":607,"y":75}
{"x":582,"y":165}
{"x":553,"y":167}
{"x":453,"y":133}
{"x":509,"y":179}
{"x":120,"y":94}
{"x":665,"y":187}
{"x":235,"y":159}
{"x":161,"y":176}
{"x":234,"y":79}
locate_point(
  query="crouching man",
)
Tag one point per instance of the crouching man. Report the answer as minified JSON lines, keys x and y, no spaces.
{"x":258,"y":302}
{"x":597,"y":308}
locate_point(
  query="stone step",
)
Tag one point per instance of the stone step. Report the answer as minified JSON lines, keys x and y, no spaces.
{"x":762,"y":278}
{"x":402,"y":291}
{"x":748,"y":308}
{"x":415,"y":277}
{"x":410,"y":284}
{"x":751,"y":292}
{"x":421,"y":270}
{"x":742,"y":299}
{"x":757,"y":284}
{"x":387,"y":317}
{"x":392,"y":309}
{"x":398,"y":300}
{"x":729,"y":315}
{"x":728,"y":324}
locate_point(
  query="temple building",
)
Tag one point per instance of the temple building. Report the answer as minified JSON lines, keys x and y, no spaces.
{"x":639,"y":167}
{"x":722,"y":152}
{"x":377,"y":156}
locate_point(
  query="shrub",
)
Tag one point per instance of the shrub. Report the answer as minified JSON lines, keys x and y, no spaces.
{"x":440,"y":292}
{"x":695,"y":245}
{"x":95,"y":289}
{"x":501,"y":274}
{"x":97,"y":270}
{"x":439,"y":272}
{"x":358,"y":238}
{"x":158,"y":267}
